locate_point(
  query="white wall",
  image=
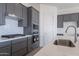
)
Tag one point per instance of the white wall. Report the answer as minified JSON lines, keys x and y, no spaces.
{"x":71,"y":30}
{"x":48,"y":24}
{"x":11,"y":27}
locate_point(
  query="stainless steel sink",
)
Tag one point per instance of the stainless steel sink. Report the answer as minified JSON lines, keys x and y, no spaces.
{"x":63,"y":42}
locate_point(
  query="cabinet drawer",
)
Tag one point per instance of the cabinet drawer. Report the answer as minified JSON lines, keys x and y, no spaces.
{"x":19,"y":40}
{"x":5,"y":51}
{"x":19,"y":46}
{"x":29,"y":44}
{"x":35,"y":45}
{"x":20,"y":53}
{"x":3,"y":44}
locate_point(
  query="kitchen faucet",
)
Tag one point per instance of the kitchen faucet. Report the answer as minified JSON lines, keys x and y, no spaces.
{"x":75,"y":39}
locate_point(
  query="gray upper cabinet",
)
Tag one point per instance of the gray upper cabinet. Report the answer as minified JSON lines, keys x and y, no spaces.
{"x":71,"y":17}
{"x":15,"y":9}
{"x":67,"y":18}
{"x":23,"y":22}
{"x":32,"y":19}
{"x":10,"y":8}
{"x":38,"y":17}
{"x":5,"y":48}
{"x":24,"y":16}
{"x":60,"y":21}
{"x":78,"y":21}
{"x":18,"y":10}
{"x":74,"y":17}
{"x":2,"y":13}
{"x":35,"y":16}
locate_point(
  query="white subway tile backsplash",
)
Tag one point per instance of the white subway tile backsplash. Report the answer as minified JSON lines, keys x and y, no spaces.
{"x":11,"y":27}
{"x":70,"y":30}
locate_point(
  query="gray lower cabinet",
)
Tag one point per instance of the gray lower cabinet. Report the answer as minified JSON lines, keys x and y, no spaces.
{"x":35,"y":45}
{"x":20,"y":52}
{"x":60,"y":21}
{"x":19,"y":47}
{"x":35,"y":41}
{"x":30,"y":44}
{"x":2,"y":13}
{"x":5,"y":48}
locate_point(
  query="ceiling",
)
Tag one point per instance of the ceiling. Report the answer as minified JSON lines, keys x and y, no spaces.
{"x":59,"y":6}
{"x":63,"y":5}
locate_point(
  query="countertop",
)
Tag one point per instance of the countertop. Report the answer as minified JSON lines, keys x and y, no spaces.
{"x":62,"y":34}
{"x":9,"y":39}
{"x":56,"y":50}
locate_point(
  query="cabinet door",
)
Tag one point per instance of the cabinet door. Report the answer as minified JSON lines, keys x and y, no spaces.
{"x":5,"y":48}
{"x":67,"y":17}
{"x":33,"y":15}
{"x":60,"y":21}
{"x":19,"y":53}
{"x":29,"y":44}
{"x":2,"y":13}
{"x":74,"y":17}
{"x":37,"y":17}
{"x":19,"y":46}
{"x":23,"y":22}
{"x":35,"y":42}
{"x":78,"y":21}
{"x":11,"y":8}
{"x":24,"y":16}
{"x":35,"y":45}
{"x":18,"y":10}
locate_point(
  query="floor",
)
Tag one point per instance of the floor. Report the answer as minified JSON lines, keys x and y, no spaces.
{"x":33,"y":52}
